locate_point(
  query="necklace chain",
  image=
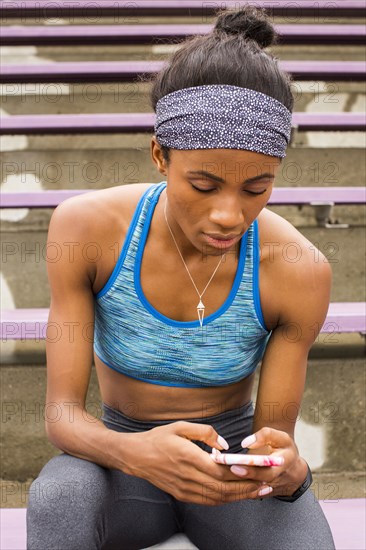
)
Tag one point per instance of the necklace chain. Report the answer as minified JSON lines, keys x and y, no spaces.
{"x":200,"y":307}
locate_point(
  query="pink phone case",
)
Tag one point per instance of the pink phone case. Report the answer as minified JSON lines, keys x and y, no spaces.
{"x":245,"y":459}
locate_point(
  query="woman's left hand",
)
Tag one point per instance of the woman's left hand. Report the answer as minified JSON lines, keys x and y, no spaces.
{"x":277,"y":480}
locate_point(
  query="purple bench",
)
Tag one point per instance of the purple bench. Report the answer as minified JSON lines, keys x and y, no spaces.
{"x":31,"y":324}
{"x":342,"y":316}
{"x":126,"y":71}
{"x":321,"y":198}
{"x":127,"y":123}
{"x":166,"y":34}
{"x":24,"y":324}
{"x":280,"y":196}
{"x":159,"y":8}
{"x":346,"y":518}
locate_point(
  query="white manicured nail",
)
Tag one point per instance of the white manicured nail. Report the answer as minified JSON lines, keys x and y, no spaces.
{"x":222,"y":442}
{"x":239,"y":470}
{"x":247,"y":441}
{"x":265,"y":491}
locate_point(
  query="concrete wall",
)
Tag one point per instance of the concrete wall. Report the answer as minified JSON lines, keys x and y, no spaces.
{"x":329,"y":430}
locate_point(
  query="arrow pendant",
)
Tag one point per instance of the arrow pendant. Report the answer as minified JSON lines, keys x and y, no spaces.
{"x":200,"y":312}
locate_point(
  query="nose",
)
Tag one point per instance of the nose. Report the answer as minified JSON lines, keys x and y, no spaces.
{"x":227,"y":214}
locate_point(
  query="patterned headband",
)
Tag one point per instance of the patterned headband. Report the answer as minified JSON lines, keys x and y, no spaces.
{"x":221,"y":116}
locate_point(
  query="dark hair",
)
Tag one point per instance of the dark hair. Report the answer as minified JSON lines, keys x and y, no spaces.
{"x":232,"y":53}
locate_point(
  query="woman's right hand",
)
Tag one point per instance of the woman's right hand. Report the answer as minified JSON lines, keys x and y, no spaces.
{"x":166,"y":457}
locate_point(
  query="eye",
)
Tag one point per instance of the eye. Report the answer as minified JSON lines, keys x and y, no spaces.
{"x":253,"y":193}
{"x":201,"y":190}
{"x":209,"y":190}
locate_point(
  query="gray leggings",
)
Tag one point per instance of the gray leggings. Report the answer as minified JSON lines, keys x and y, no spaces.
{"x":75,"y":504}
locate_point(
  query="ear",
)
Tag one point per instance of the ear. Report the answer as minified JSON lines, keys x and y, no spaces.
{"x":157,"y":156}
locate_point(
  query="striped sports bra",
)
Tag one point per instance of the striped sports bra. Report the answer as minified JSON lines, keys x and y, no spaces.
{"x":133,"y":338}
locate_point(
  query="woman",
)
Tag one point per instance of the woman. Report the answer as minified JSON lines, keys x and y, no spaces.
{"x":203,"y":286}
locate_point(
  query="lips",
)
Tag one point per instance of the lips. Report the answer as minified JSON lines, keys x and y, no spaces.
{"x":221,"y":242}
{"x":219,"y":237}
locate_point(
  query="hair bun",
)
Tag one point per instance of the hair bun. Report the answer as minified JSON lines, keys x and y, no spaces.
{"x":250,"y":22}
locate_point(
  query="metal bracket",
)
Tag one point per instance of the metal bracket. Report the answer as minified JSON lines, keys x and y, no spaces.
{"x":323,"y":211}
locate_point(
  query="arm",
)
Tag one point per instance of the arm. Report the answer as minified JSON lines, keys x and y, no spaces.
{"x":283,"y":372}
{"x":70,"y":355}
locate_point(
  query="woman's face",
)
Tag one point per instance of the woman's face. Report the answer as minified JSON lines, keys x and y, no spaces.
{"x":215,"y":193}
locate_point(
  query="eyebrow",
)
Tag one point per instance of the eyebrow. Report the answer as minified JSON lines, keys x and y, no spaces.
{"x":221,"y":180}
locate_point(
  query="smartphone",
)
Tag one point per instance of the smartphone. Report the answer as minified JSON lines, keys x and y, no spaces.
{"x":246,"y":459}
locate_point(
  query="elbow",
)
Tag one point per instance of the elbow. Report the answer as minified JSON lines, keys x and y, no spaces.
{"x":51,"y":433}
{"x":55,"y":432}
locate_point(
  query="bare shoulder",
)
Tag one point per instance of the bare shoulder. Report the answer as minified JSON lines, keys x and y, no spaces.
{"x":96,"y":223}
{"x":294,"y":268}
{"x":280,"y":240}
{"x":103,"y":213}
{"x":100,"y":207}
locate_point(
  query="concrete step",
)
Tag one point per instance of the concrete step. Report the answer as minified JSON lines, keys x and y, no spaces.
{"x":94,"y":161}
{"x":123,"y":19}
{"x":114,"y":97}
{"x":331,"y":420}
{"x":25,"y":283}
{"x":18,"y":54}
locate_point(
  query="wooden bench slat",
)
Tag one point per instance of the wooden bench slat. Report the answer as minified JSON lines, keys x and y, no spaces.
{"x":280,"y":196}
{"x":108,"y":8}
{"x":102,"y":71}
{"x":127,"y":123}
{"x":306,"y":195}
{"x":38,"y":199}
{"x":345,"y":317}
{"x":329,"y":121}
{"x":165,"y":34}
{"x":21,"y":324}
{"x":325,"y":70}
{"x":125,"y":71}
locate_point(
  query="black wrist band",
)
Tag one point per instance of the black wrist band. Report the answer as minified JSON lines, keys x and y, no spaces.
{"x":301,"y":490}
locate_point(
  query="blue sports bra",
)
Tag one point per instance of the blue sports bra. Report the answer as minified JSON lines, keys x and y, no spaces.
{"x":133,"y":338}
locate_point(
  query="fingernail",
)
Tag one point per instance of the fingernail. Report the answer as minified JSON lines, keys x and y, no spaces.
{"x":265,"y":491}
{"x":239,"y":470}
{"x":222,"y":442}
{"x":247,"y":441}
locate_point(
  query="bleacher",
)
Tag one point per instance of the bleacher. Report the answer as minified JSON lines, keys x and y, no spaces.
{"x":54,"y":53}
